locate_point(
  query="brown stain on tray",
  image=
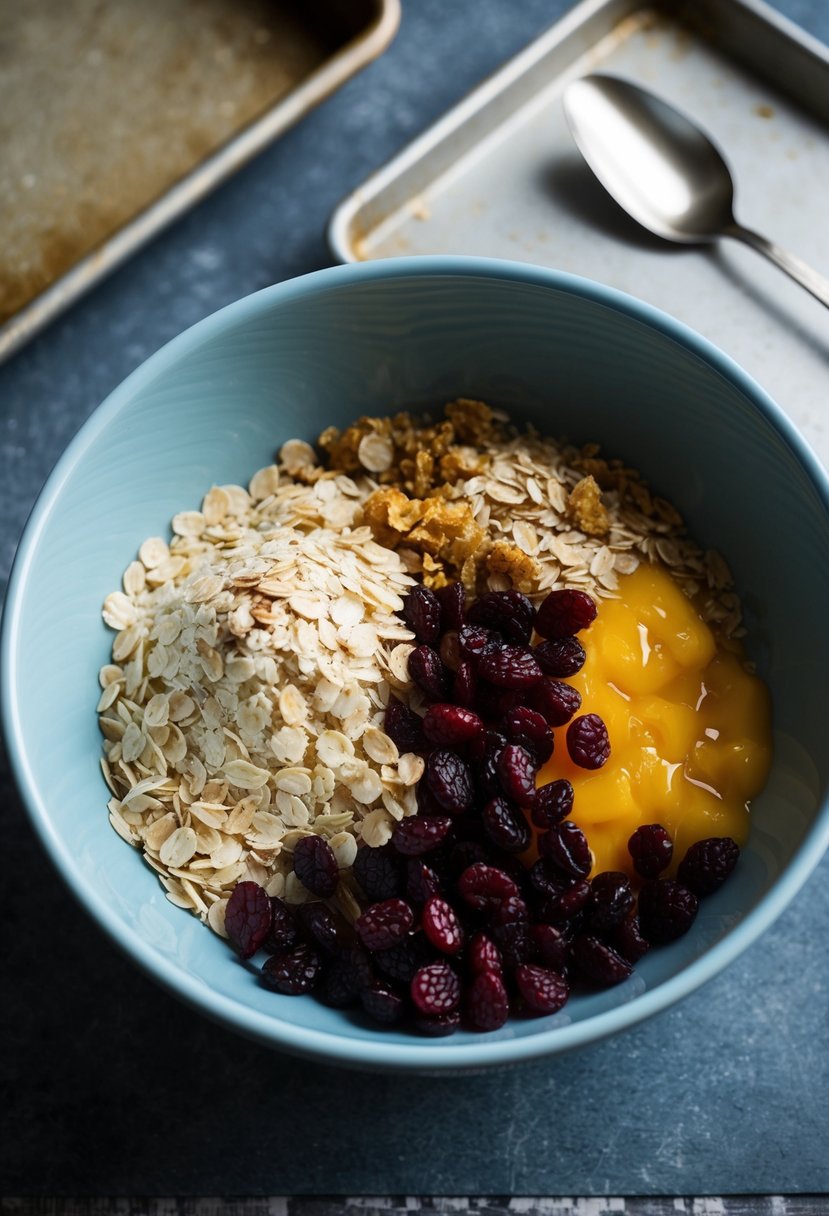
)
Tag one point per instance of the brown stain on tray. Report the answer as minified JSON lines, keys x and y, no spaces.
{"x":105,"y":104}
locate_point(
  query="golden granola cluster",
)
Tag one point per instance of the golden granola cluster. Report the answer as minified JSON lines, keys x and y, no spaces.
{"x":421,"y":506}
{"x":419,"y":464}
{"x":627,"y":482}
{"x":423,"y":458}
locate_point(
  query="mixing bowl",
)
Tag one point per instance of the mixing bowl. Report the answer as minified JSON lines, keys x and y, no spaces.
{"x":570,"y":356}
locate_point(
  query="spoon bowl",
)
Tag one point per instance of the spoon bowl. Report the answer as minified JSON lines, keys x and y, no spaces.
{"x":664,"y":170}
{"x":657,"y":164}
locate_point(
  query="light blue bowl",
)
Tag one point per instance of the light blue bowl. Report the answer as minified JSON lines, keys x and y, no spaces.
{"x":575,"y":358}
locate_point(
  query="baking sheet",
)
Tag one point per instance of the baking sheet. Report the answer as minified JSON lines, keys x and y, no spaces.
{"x":499,"y":175}
{"x":114,"y":117}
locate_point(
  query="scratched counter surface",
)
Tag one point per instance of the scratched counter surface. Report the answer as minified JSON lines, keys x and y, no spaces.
{"x":110,"y":1086}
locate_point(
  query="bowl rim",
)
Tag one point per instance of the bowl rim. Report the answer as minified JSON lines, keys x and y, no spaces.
{"x":377,"y":1053}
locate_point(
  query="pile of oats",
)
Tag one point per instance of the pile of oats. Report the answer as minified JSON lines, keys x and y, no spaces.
{"x":244,"y":706}
{"x":256,"y":652}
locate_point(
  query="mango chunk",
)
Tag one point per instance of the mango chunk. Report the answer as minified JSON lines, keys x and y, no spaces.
{"x":689,"y":725}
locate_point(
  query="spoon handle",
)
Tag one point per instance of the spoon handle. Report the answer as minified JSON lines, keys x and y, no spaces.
{"x":793,"y":266}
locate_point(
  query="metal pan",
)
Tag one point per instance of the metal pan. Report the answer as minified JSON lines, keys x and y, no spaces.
{"x":116,"y":118}
{"x":499,"y":175}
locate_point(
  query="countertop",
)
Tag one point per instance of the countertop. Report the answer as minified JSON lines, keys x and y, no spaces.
{"x":110,"y":1086}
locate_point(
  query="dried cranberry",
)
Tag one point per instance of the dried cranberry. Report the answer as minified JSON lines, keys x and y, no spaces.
{"x":404,"y":727}
{"x":564,"y":613}
{"x":506,"y":826}
{"x":438,"y":1027}
{"x":355,"y":964}
{"x":544,"y":991}
{"x":628,"y":940}
{"x":421,"y":612}
{"x":561,"y":657}
{"x":552,"y":803}
{"x":651,"y":848}
{"x":332,"y":991}
{"x":566,"y":845}
{"x":708,"y":863}
{"x":383,"y":924}
{"x":530,"y":729}
{"x":324,"y":928}
{"x":476,"y":750}
{"x":566,"y":905}
{"x":422,"y":882}
{"x":378,"y":871}
{"x":450,"y":650}
{"x":598,"y":962}
{"x":347,"y":975}
{"x":441,"y":926}
{"x":315,"y":865}
{"x":588,"y":742}
{"x":293,"y":973}
{"x":452,"y":600}
{"x":475,"y":641}
{"x":436,"y":989}
{"x":415,"y":836}
{"x":429,"y":673}
{"x":516,"y":772}
{"x":510,"y":612}
{"x":383,"y":1004}
{"x":514,"y":942}
{"x":483,"y":886}
{"x":667,"y":909}
{"x":511,"y":667}
{"x":546,"y":878}
{"x":450,"y":781}
{"x":572,"y":901}
{"x":356,"y":967}
{"x":465,"y":685}
{"x":486,"y":776}
{"x":611,"y":899}
{"x":452,"y":726}
{"x":550,"y":946}
{"x":282,"y":933}
{"x":400,"y":962}
{"x":510,"y":911}
{"x":483,"y":955}
{"x":248,"y":918}
{"x":555,"y":700}
{"x":487,"y":1003}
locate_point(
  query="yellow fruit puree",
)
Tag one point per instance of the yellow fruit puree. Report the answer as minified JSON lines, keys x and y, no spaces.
{"x":690,"y":728}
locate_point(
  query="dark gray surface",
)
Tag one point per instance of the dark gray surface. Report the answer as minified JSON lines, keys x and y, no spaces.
{"x":110,"y":1086}
{"x":403,"y":1205}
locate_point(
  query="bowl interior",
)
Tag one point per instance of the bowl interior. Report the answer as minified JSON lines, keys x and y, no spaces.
{"x":212,"y":407}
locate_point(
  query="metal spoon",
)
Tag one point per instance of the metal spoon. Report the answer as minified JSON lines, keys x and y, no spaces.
{"x":664,"y":170}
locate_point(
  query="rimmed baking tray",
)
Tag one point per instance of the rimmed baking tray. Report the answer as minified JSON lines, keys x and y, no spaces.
{"x":116,"y":117}
{"x":500,"y":175}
